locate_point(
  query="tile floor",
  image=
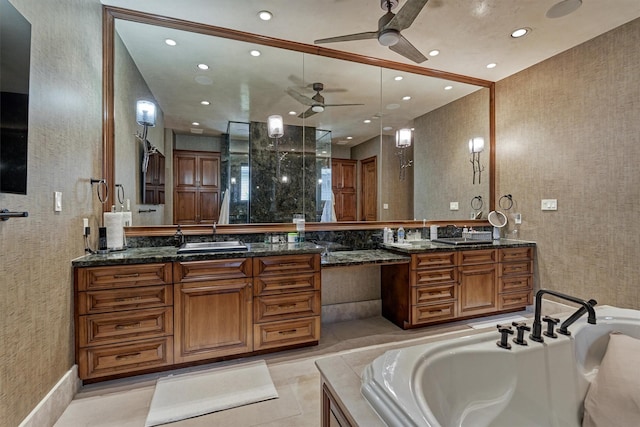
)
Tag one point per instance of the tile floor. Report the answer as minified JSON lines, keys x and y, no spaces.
{"x":125,"y":402}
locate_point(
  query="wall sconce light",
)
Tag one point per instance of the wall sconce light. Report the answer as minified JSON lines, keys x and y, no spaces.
{"x":275,"y":126}
{"x":476,"y":146}
{"x":275,"y":130}
{"x":146,"y":117}
{"x":404,"y":139}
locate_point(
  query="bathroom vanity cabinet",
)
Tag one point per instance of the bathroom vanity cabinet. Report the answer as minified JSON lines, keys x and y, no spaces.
{"x":137,"y":318}
{"x":443,"y":286}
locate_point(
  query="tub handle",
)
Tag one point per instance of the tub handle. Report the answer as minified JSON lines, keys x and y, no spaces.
{"x":505,"y":331}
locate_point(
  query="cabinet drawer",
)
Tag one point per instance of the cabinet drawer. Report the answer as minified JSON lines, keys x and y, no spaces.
{"x":90,"y":302}
{"x":117,"y":359}
{"x":482,"y":256}
{"x":516,"y":254}
{"x":516,"y":284}
{"x":433,"y":312}
{"x":289,"y":332}
{"x":429,"y":294}
{"x":286,"y":264}
{"x":290,"y":283}
{"x":195,"y":271}
{"x":280,"y":307}
{"x":431,"y":277}
{"x":112,"y":328}
{"x":514,"y":300}
{"x":433,"y":260}
{"x":514,"y":268}
{"x":123,"y":276}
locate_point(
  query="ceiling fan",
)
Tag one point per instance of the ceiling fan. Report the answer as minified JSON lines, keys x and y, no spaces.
{"x":389,"y":27}
{"x":316,"y":102}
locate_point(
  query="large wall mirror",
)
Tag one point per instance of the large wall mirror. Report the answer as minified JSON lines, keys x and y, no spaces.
{"x":223,"y":109}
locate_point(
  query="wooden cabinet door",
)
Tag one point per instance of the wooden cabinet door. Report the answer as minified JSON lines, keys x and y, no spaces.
{"x":212,"y":319}
{"x":369,"y":189}
{"x":478,"y":291}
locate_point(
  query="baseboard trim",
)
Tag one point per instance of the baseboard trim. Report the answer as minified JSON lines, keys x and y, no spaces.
{"x":47,"y":412}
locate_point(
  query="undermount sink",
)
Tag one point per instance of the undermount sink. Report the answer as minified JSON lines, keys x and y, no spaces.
{"x":206,"y":247}
{"x":461,"y":241}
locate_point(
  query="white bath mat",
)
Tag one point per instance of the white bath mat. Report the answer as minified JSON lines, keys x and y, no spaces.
{"x":503,"y":320}
{"x":190,"y":395}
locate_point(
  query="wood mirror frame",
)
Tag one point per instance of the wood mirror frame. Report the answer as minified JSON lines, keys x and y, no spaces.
{"x":110,"y":14}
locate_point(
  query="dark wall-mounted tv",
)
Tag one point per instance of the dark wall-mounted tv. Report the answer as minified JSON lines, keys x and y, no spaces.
{"x":15,"y":51}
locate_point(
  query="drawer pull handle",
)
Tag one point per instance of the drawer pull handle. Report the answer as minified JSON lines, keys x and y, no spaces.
{"x":289,"y":332}
{"x":128,"y":356}
{"x":288,"y":264}
{"x":126,"y":276}
{"x":286,"y":306}
{"x":128,"y":326}
{"x":129,"y":299}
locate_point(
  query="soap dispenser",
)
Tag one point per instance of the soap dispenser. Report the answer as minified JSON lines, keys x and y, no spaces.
{"x":400,"y":235}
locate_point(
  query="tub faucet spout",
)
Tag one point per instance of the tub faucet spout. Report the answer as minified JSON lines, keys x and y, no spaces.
{"x":587,"y":307}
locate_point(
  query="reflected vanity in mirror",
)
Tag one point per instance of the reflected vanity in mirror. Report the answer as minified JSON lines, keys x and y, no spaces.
{"x":213,"y":96}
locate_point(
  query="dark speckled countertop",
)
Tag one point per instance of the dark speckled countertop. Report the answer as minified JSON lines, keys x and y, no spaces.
{"x":170,"y":253}
{"x":428,"y":246}
{"x":391,"y":254}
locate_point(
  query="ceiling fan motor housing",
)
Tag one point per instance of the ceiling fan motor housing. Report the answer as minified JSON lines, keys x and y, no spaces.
{"x":384,"y":4}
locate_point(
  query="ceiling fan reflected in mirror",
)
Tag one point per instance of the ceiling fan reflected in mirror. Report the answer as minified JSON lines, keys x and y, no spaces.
{"x":316,"y":102}
{"x":389,"y":27}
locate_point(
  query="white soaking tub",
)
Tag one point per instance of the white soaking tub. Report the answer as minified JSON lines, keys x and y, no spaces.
{"x":470,"y":381}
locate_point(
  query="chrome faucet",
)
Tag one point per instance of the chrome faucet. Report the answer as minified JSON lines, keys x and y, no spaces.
{"x":587,"y":307}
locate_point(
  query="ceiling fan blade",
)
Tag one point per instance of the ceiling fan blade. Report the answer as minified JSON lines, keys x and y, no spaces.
{"x":340,"y":105}
{"x":350,"y":37}
{"x":406,"y":49}
{"x":405,"y":16}
{"x":305,"y":100}
{"x":306,"y":114}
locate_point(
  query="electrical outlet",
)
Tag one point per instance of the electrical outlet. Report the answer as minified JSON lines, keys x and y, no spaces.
{"x":549,"y":204}
{"x":57,"y":201}
{"x":453,"y":206}
{"x":385,"y":206}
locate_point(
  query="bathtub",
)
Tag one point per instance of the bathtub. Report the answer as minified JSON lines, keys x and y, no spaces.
{"x":470,"y":381}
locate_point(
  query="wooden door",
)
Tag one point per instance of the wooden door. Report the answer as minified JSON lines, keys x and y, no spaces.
{"x":343,"y":185}
{"x":212,"y":319}
{"x":196,"y":197}
{"x":369,"y":189}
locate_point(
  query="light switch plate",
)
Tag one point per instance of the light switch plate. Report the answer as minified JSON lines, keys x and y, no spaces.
{"x":453,"y":206}
{"x":517,"y":218}
{"x":57,"y":201}
{"x":549,"y":204}
{"x":385,"y":206}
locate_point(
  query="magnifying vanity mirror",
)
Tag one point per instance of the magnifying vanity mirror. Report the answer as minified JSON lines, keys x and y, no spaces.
{"x":213,"y":101}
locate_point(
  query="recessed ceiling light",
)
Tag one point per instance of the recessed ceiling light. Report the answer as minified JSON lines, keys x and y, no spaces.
{"x":492,"y":65}
{"x":406,"y":98}
{"x":323,"y":152}
{"x":205,"y":102}
{"x":341,"y":142}
{"x":170,"y":42}
{"x":448,"y":87}
{"x":434,"y":52}
{"x":349,"y":137}
{"x":203,"y":80}
{"x":398,"y":78}
{"x":292,"y":113}
{"x":392,"y":106}
{"x":255,"y":52}
{"x":293,"y":149}
{"x":195,"y":124}
{"x":387,"y":128}
{"x":265,"y":15}
{"x":367,"y":121}
{"x":203,"y":66}
{"x":520,"y":32}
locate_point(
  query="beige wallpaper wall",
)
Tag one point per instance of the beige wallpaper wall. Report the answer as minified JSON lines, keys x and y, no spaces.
{"x":569,"y":129}
{"x":65,"y":151}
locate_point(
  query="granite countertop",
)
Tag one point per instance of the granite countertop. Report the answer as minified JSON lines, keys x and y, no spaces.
{"x":428,"y":246}
{"x":361,"y":257}
{"x":170,"y":253}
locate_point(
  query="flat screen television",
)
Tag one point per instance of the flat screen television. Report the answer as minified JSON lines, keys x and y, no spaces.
{"x":15,"y":51}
